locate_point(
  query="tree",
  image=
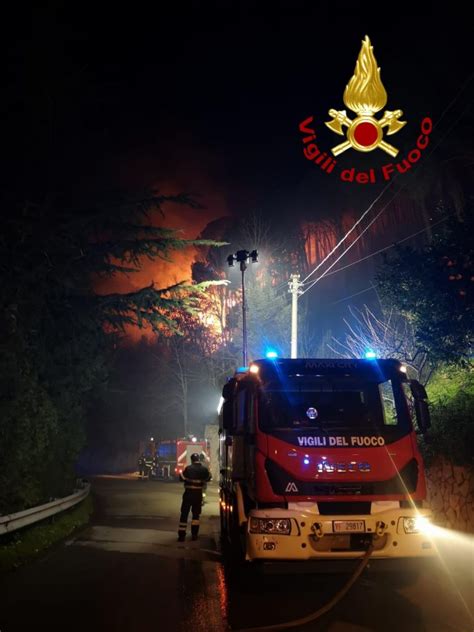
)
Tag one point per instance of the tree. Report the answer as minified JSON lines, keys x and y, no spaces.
{"x":389,"y":335}
{"x":433,"y":289}
{"x":56,"y":332}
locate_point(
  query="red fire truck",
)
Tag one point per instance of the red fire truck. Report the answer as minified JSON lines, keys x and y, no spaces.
{"x":173,"y":456}
{"x":319,"y":461}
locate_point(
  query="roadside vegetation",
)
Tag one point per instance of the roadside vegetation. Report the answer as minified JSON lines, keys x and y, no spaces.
{"x":24,"y":545}
{"x":426,"y":320}
{"x":451,"y":395}
{"x":58,"y":334}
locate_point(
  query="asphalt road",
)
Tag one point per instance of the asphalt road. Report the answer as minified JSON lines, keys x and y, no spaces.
{"x":126,"y":572}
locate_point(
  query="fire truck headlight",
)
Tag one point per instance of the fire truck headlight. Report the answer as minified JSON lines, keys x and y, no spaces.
{"x":273,"y":526}
{"x":418,"y":524}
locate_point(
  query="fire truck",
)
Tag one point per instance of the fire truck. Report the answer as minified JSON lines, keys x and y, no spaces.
{"x":173,"y":456}
{"x":319,"y":461}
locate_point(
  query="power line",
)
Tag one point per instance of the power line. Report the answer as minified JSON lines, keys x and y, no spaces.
{"x":341,"y":241}
{"x":352,"y":295}
{"x":380,"y":212}
{"x":398,"y":242}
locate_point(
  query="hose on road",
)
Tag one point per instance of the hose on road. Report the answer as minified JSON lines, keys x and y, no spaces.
{"x":318,"y":613}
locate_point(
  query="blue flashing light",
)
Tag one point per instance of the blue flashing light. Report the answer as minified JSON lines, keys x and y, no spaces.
{"x":271,"y":355}
{"x":370,"y":355}
{"x":306,"y":461}
{"x":242,"y":369}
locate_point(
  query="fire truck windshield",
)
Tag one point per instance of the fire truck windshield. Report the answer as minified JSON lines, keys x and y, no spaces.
{"x":330,"y":404}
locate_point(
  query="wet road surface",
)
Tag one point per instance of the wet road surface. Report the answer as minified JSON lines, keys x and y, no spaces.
{"x":127,"y":572}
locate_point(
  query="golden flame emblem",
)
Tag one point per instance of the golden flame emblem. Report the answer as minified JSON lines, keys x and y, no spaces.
{"x":365,"y":95}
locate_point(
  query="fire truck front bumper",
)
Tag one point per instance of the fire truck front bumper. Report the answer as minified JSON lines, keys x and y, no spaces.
{"x":276,"y":534}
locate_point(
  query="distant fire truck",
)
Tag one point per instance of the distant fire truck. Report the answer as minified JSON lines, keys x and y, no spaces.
{"x":173,"y":456}
{"x":319,"y":461}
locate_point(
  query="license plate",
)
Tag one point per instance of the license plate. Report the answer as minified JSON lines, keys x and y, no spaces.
{"x":348,"y":526}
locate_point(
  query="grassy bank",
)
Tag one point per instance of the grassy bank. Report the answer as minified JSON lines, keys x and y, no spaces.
{"x":24,"y":545}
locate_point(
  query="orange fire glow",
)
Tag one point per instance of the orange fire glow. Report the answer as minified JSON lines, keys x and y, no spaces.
{"x":190,"y":223}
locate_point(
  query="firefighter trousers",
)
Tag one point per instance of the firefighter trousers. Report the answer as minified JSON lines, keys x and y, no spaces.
{"x":192,"y":499}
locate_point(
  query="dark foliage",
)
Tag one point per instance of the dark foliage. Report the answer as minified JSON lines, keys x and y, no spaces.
{"x":434,"y":289}
{"x":56,"y":332}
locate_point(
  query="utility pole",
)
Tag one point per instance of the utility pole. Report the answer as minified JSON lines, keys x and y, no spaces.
{"x":295,"y":290}
{"x":242,"y":257}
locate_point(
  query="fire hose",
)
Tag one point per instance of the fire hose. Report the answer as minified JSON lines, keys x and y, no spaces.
{"x":328,"y":606}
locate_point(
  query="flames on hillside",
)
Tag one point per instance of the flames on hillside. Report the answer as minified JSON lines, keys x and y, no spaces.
{"x":213,"y":307}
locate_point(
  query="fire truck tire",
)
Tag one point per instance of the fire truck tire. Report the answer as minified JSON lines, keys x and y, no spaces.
{"x":240,"y":569}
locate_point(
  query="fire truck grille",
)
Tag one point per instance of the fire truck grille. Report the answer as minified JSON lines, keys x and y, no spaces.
{"x":284,"y":483}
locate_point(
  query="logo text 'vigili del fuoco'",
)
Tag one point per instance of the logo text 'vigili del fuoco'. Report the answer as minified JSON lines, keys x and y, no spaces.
{"x":366,"y":96}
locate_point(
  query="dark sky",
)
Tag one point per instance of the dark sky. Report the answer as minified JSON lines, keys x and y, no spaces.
{"x":206,"y":97}
{"x":97,"y":97}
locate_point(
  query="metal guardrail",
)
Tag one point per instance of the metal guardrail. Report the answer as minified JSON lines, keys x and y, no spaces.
{"x":12,"y":522}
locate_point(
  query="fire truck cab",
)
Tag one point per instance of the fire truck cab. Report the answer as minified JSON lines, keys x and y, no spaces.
{"x":319,"y":460}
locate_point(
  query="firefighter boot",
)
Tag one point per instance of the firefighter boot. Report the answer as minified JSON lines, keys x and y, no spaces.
{"x":194,"y":529}
{"x":181,"y":531}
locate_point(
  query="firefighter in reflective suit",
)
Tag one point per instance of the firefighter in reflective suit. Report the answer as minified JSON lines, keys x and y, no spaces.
{"x":195,"y":476}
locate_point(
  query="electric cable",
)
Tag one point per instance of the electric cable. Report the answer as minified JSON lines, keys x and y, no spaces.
{"x":379,"y":213}
{"x":328,"y":606}
{"x":341,"y":300}
{"x":397,"y":243}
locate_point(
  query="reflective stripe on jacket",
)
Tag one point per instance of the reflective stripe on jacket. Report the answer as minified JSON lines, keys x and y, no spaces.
{"x":195,"y":476}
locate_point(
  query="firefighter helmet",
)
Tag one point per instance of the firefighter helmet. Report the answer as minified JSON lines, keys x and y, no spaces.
{"x":195,"y":458}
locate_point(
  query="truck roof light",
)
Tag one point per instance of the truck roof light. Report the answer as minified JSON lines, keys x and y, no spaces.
{"x":271,"y":355}
{"x":370,"y":355}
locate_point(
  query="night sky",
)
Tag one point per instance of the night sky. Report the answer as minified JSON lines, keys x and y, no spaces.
{"x":209,"y":95}
{"x":206,"y":98}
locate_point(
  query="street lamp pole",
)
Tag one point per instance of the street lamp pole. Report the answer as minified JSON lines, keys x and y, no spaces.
{"x":242,"y":257}
{"x":243,"y":267}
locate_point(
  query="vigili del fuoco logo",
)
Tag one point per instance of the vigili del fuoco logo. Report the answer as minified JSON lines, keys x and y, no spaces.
{"x":364,"y":95}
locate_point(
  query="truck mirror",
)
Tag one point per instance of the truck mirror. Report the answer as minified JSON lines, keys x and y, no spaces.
{"x":228,"y":389}
{"x":422,"y":410}
{"x":418,"y":390}
{"x":228,"y":396}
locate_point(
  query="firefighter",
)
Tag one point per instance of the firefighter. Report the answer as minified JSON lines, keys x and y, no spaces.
{"x":148,"y":465}
{"x":141,"y":466}
{"x":195,"y":476}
